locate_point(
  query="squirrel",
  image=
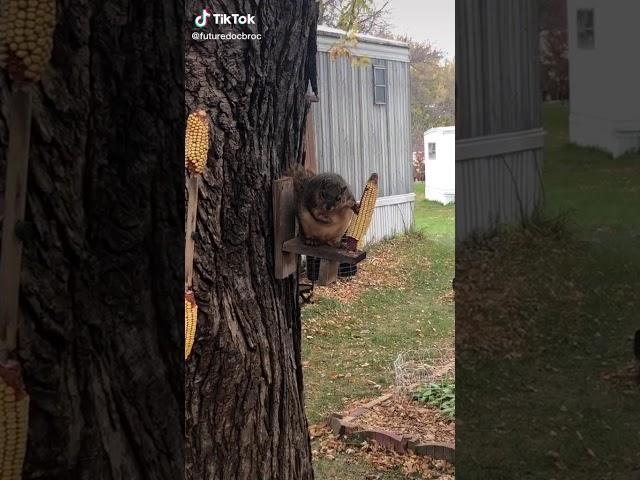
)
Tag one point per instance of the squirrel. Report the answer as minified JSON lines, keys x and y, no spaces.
{"x":324,"y":206}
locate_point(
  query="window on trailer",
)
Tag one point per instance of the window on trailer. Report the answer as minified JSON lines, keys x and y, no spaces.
{"x":432,"y":150}
{"x":586,"y":28}
{"x":379,"y":84}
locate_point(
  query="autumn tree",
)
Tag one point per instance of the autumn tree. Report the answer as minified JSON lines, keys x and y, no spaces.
{"x":554,"y":72}
{"x":432,"y":90}
{"x":244,"y":406}
{"x":363,"y":16}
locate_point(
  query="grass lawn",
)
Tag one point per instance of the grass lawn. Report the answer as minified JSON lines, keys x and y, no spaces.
{"x":600,"y":193}
{"x":546,"y":348}
{"x":349,"y":346}
{"x":344,"y":467}
{"x":436,"y":221}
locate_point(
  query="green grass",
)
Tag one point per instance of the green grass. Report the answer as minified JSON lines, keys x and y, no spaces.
{"x":374,"y":328}
{"x":352,"y":355}
{"x":547,"y":411}
{"x":595,"y":189}
{"x":435,"y":220}
{"x":347,"y":468}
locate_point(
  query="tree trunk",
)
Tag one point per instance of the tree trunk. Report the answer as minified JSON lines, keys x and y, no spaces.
{"x":101,"y":288}
{"x":244,"y":401}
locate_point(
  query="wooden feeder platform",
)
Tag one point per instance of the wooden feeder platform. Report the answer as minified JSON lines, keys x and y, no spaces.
{"x":288,"y":246}
{"x":325,"y":252}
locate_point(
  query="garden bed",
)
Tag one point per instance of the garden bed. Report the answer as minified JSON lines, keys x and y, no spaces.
{"x":399,"y":424}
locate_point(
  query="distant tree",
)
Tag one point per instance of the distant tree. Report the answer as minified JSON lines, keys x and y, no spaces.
{"x":554,"y":74}
{"x":418,"y":165}
{"x":432,"y":90}
{"x":363,"y":16}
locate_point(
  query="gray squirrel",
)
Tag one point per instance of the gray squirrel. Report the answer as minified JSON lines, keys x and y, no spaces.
{"x":324,"y":206}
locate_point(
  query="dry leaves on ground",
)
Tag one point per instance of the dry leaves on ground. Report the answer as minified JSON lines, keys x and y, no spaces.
{"x":329,"y":446}
{"x":494,"y":299}
{"x":448,"y":297}
{"x":402,"y":415}
{"x":627,"y":375}
{"x":326,"y":324}
{"x":382,"y":268}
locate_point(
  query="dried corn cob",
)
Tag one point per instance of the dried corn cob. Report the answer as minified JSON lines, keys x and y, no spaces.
{"x":26,"y":37}
{"x":190,"y":322}
{"x":14,"y":421}
{"x":196,"y":142}
{"x":360,"y":224}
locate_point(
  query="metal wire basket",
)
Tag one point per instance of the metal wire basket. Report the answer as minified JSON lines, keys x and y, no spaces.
{"x":414,"y":368}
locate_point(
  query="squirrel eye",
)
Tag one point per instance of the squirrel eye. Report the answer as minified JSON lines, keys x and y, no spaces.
{"x":321,"y":194}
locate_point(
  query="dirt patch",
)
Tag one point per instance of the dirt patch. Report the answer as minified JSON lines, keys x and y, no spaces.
{"x":447,"y":298}
{"x":628,"y":375}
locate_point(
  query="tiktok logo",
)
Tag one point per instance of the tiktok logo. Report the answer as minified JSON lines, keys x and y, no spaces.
{"x":201,"y":20}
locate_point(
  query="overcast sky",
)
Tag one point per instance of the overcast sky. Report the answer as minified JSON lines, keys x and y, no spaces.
{"x":432,"y":20}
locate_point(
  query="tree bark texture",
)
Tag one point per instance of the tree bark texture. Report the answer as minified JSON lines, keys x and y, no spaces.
{"x":101,"y":338}
{"x":244,"y":408}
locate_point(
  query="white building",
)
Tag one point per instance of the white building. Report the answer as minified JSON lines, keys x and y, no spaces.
{"x":440,"y":164}
{"x":605,"y":105}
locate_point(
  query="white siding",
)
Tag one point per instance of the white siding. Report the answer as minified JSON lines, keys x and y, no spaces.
{"x":389,"y":220}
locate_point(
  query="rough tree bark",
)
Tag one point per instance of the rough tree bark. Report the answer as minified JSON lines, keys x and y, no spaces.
{"x":101,"y":295}
{"x":244,"y":402}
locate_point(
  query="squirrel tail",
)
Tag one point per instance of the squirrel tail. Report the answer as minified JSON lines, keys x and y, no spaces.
{"x":300,"y":175}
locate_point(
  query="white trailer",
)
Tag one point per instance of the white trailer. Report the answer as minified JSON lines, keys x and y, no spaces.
{"x":603,"y":83}
{"x":440,"y":164}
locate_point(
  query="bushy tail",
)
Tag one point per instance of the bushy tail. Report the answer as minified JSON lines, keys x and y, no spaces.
{"x":300,"y":175}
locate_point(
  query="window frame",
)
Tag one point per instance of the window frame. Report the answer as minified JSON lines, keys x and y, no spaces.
{"x":586,"y":31}
{"x":435,"y":151}
{"x":377,"y":85}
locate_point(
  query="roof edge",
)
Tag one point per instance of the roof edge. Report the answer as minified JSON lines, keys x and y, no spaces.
{"x":362,"y":37}
{"x":440,"y":129}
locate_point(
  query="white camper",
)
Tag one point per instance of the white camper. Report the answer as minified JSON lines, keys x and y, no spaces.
{"x":605,"y":105}
{"x":440,"y":164}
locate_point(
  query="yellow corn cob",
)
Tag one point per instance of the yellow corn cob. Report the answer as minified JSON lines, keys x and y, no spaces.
{"x":14,"y":422}
{"x":360,"y":223}
{"x":26,"y":37}
{"x":190,"y":322}
{"x":196,"y":142}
